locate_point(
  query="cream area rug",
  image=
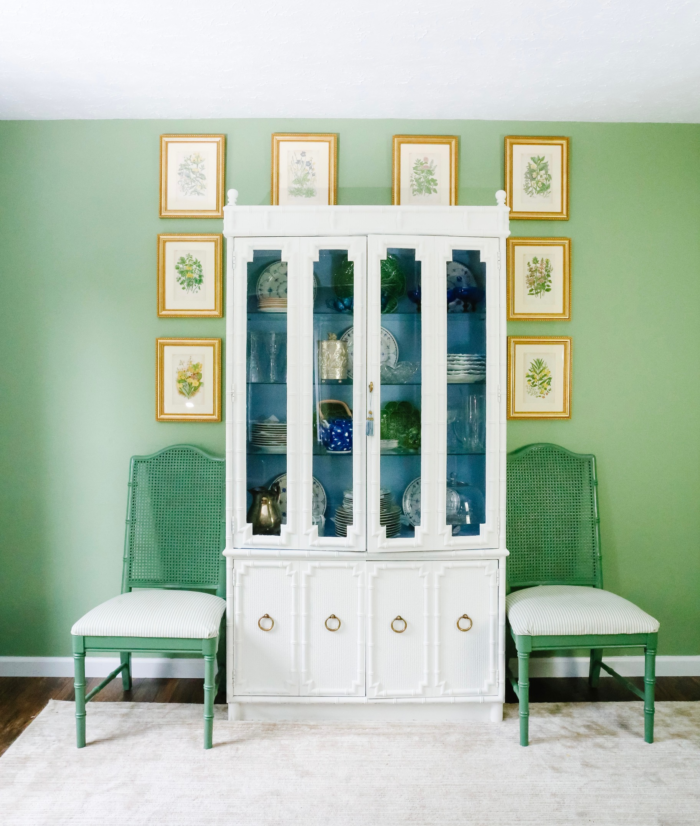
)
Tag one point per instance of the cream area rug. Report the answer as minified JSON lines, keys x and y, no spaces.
{"x":144,"y":764}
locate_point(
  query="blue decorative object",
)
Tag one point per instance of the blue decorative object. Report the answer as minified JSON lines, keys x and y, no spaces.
{"x":414,"y":296}
{"x":336,"y":432}
{"x":463,"y":291}
{"x":341,"y":305}
{"x":464,"y":299}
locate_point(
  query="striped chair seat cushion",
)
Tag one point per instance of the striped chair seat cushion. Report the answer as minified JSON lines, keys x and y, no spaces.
{"x":150,"y":612}
{"x":561,"y":610}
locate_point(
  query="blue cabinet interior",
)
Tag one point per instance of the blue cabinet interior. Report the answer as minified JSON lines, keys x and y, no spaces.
{"x":466,"y":333}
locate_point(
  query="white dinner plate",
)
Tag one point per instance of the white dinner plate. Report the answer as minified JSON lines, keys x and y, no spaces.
{"x":389,"y":349}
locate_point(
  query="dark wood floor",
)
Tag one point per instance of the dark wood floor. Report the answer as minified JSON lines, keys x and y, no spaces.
{"x":22,"y":698}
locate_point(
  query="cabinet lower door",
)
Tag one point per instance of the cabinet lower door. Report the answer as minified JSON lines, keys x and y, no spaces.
{"x":332,"y":650}
{"x":397,"y":636}
{"x":264,"y":632}
{"x":466,"y":630}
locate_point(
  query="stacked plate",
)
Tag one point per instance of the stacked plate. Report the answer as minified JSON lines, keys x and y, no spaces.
{"x":269,"y":435}
{"x":389,"y":514}
{"x":343,"y":515}
{"x":271,"y":289}
{"x":463,"y":368}
{"x":272,"y":305}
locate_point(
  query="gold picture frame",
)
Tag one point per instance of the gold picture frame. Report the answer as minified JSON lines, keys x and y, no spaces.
{"x":188,"y":380}
{"x":188,"y":189}
{"x":191,"y":258}
{"x":539,"y":377}
{"x":543,"y":293}
{"x":304,"y":169}
{"x":540,"y":165}
{"x":437,"y":180}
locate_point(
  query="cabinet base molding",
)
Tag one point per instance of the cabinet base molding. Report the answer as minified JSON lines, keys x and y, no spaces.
{"x":362,"y":710}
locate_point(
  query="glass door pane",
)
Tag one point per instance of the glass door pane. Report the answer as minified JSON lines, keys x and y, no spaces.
{"x":400,"y":376}
{"x":464,"y":282}
{"x":395,"y":366}
{"x":266,"y":397}
{"x":335,"y":403}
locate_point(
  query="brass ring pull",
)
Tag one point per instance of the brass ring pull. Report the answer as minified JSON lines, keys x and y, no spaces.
{"x":266,"y":617}
{"x":333,"y":617}
{"x":396,"y":630}
{"x":465,"y":617}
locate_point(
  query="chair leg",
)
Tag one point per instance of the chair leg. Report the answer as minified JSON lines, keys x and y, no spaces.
{"x":209,"y":666}
{"x":524,"y":691}
{"x":79,"y":685}
{"x":125,"y":657}
{"x":594,"y":667}
{"x":649,"y":680}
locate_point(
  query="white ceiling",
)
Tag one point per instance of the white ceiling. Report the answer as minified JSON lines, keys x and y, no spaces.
{"x":594,"y":60}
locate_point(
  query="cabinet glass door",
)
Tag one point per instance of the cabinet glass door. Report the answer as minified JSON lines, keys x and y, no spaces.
{"x":333,"y":385}
{"x":265,"y":427}
{"x":398,"y":393}
{"x":468,"y":342}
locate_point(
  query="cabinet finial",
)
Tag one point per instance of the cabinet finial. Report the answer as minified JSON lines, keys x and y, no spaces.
{"x":233,"y":197}
{"x":501,"y":197}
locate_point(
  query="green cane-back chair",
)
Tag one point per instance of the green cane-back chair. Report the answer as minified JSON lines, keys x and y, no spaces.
{"x":172,"y":562}
{"x":556,"y":599}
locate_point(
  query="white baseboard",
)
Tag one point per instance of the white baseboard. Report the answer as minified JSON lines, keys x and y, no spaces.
{"x":182,"y":667}
{"x":193,"y":668}
{"x":632,"y":666}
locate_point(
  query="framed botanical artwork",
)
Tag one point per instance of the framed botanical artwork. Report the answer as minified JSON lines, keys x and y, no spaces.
{"x":188,"y":379}
{"x":537,"y":178}
{"x":539,"y":279}
{"x":304,"y":169}
{"x":424,"y":170}
{"x":190,"y":276}
{"x":539,"y":377}
{"x":192,"y":176}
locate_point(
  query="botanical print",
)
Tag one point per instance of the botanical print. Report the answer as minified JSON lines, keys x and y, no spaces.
{"x":189,"y":378}
{"x":537,"y":177}
{"x":424,"y":170}
{"x":538,"y":379}
{"x":539,"y":276}
{"x":302,"y":175}
{"x":191,"y":176}
{"x":423,"y":178}
{"x":190,"y":273}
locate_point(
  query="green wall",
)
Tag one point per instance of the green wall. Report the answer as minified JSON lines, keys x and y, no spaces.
{"x":78,"y":227}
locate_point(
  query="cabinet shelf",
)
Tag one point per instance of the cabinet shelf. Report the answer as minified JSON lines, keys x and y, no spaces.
{"x":252,"y":450}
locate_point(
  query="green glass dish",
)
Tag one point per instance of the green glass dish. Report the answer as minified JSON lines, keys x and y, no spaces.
{"x":400,"y":421}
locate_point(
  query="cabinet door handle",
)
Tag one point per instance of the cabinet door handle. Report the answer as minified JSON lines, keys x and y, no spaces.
{"x":333,"y":618}
{"x":399,"y":630}
{"x":466,"y":618}
{"x":266,"y":617}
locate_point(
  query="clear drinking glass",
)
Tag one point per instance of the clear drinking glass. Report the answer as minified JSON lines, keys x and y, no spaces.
{"x":254,"y":356}
{"x":277,"y":347}
{"x":469,"y":424}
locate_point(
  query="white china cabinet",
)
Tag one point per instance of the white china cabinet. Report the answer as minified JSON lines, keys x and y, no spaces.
{"x":365,"y":447}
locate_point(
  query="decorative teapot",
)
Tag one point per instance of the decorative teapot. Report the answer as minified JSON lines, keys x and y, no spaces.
{"x":335,"y":433}
{"x":265,"y":513}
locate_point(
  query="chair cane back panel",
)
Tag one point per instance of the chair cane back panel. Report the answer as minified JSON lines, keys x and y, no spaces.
{"x":552,"y":518}
{"x":175,"y":519}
